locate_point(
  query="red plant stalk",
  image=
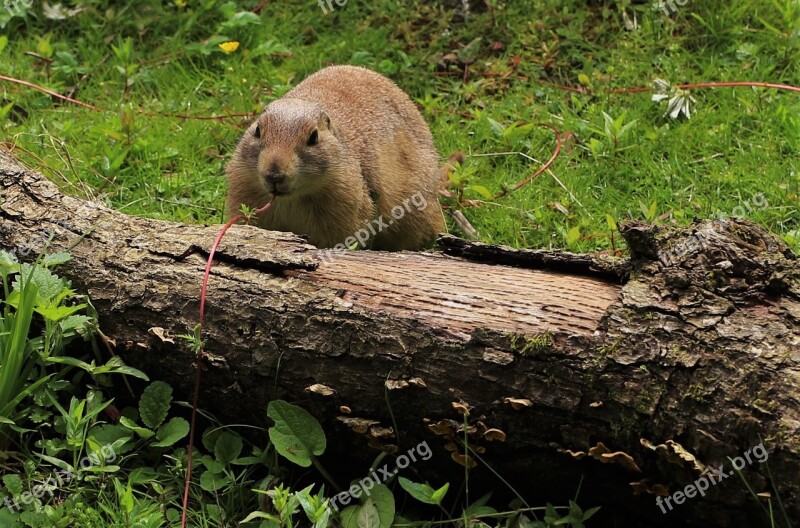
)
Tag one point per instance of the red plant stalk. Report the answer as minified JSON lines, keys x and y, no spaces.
{"x":543,"y":168}
{"x":49,"y":92}
{"x":201,"y":354}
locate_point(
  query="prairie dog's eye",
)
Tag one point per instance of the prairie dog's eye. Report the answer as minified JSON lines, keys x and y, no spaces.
{"x":257,"y":131}
{"x":313,"y":139}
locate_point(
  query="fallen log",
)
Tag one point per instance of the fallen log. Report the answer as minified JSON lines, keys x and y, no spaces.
{"x":641,"y":377}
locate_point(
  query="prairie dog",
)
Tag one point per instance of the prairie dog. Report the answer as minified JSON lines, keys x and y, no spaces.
{"x":345,"y":153}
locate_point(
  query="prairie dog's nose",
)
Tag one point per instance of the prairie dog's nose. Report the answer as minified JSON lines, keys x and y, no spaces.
{"x":274,"y":176}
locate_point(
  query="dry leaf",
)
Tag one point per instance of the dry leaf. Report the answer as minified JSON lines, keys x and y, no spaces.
{"x":396,"y":384}
{"x":518,"y":403}
{"x":161,"y":334}
{"x":418,"y":382}
{"x":643,"y":486}
{"x":461,"y":408}
{"x":464,"y":460}
{"x":494,"y":434}
{"x":322,"y":390}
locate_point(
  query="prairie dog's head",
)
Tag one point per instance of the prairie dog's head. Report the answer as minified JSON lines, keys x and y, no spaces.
{"x":291,"y":150}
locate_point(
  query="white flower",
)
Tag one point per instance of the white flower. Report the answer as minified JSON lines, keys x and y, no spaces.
{"x":679,"y":100}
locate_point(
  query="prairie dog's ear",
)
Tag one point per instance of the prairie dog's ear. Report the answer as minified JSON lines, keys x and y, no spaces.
{"x":324,"y":120}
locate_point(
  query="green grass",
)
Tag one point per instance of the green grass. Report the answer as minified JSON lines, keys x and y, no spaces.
{"x":131,"y":155}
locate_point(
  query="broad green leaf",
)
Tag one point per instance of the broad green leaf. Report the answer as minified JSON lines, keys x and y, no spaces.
{"x":421,"y":492}
{"x":439,"y":494}
{"x":269,"y":47}
{"x":68,"y":360}
{"x":242,"y":18}
{"x":57,"y":313}
{"x":247,"y":461}
{"x":483,"y":191}
{"x":210,"y":437}
{"x":57,"y":462}
{"x":117,"y":437}
{"x":550,"y":514}
{"x":8,"y":260}
{"x":375,"y":511}
{"x":13,"y":484}
{"x":588,"y":513}
{"x":74,"y":321}
{"x":155,"y":402}
{"x":144,"y":476}
{"x":124,"y":369}
{"x":608,"y":124}
{"x":213,"y":482}
{"x":384,"y":503}
{"x":496,"y":127}
{"x":228,"y":447}
{"x":212,"y":464}
{"x":573,"y":235}
{"x":125,"y":496}
{"x":102,"y":469}
{"x":100,"y":453}
{"x":306,"y":501}
{"x":479,"y":507}
{"x":116,"y":365}
{"x":172,"y":431}
{"x":44,"y":47}
{"x":652,"y":211}
{"x":368,"y":515}
{"x":261,"y":515}
{"x":54,"y":259}
{"x":349,"y":517}
{"x":50,"y":286}
{"x":296,"y":434}
{"x":322,"y":521}
{"x":141,"y":431}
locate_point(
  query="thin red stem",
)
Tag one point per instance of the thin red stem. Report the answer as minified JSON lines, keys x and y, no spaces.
{"x":787,"y":87}
{"x":543,"y":168}
{"x":201,"y":353}
{"x":197,"y":118}
{"x":723,"y":84}
{"x":48,"y":92}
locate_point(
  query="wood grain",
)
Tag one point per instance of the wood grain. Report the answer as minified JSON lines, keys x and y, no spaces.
{"x":457,"y":296}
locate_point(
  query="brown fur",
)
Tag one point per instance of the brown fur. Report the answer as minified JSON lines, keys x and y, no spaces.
{"x":372,"y":144}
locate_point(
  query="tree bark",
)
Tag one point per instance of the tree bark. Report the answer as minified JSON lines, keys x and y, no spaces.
{"x":637,"y":376}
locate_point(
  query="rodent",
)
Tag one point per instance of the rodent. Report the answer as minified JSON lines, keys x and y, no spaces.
{"x":341,"y":152}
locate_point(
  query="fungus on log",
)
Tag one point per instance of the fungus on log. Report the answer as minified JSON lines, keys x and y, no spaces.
{"x":639,"y":376}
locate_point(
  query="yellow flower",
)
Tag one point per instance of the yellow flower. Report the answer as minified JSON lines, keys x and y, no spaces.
{"x":229,"y":47}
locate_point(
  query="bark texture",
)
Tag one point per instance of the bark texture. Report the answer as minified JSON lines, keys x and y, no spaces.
{"x":638,"y":376}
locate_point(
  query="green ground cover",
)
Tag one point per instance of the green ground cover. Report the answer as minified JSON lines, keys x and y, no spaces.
{"x":140,"y":63}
